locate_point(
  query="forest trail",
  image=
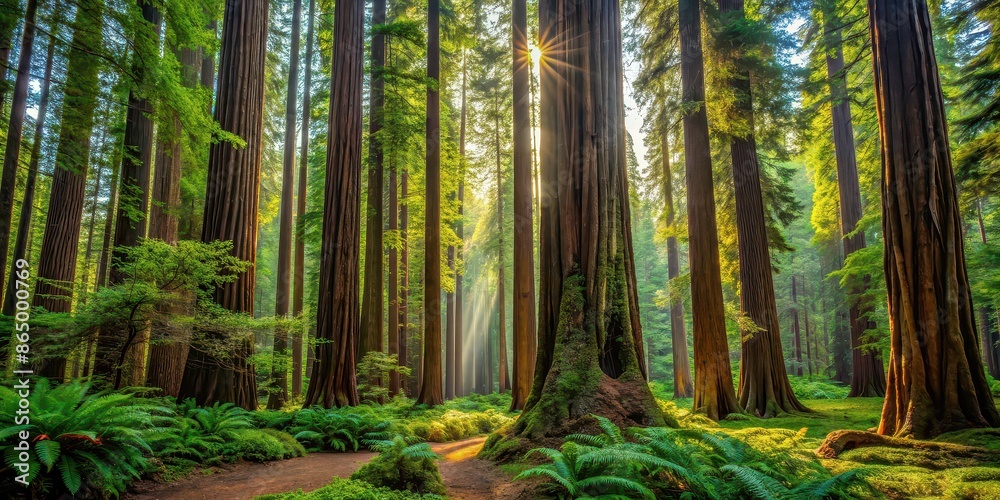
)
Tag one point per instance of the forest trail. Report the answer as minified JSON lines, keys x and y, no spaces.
{"x":464,"y":475}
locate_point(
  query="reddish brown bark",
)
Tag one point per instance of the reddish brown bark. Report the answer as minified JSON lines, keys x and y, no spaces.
{"x":394,"y":308}
{"x":868,"y":379}
{"x":28,"y":201}
{"x":936,"y":381}
{"x":278,"y":392}
{"x":12,"y":153}
{"x":56,"y":270}
{"x":683,"y":385}
{"x":524,"y":259}
{"x":590,"y":356}
{"x":372,"y":302}
{"x":430,"y":390}
{"x":796,"y":331}
{"x":333,"y":380}
{"x":713,"y":383}
{"x":501,"y":298}
{"x":405,"y":356}
{"x":231,"y":200}
{"x":459,"y":231}
{"x":298,"y":274}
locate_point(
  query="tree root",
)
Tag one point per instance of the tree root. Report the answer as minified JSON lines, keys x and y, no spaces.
{"x":838,"y":442}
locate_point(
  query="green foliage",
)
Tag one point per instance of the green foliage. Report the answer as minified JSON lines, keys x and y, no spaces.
{"x":659,"y":461}
{"x":350,"y":489}
{"x":334,"y":429}
{"x":261,"y":445}
{"x":80,"y":440}
{"x":403,"y":463}
{"x":375,"y":366}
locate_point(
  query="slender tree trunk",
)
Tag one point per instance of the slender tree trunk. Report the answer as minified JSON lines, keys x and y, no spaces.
{"x":168,"y":351}
{"x":8,"y":23}
{"x":12,"y":153}
{"x":56,"y":271}
{"x":796,"y":331}
{"x":869,"y":373}
{"x":713,"y":390}
{"x":936,"y":381}
{"x":278,"y":392}
{"x":133,"y":203}
{"x":28,"y":201}
{"x":524,"y":258}
{"x":459,"y":231}
{"x":504,"y":376}
{"x":430,"y":392}
{"x":764,"y":389}
{"x":449,"y":328}
{"x":393,"y":334}
{"x":298,"y":274}
{"x":333,"y":382}
{"x":683,"y":384}
{"x":231,"y":200}
{"x":805,"y":312}
{"x":372,"y":304}
{"x":109,"y":228}
{"x":404,"y":287}
{"x":591,"y":356}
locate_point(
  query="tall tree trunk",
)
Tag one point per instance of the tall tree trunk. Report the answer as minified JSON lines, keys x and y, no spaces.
{"x":8,"y":23}
{"x":372,"y":303}
{"x":504,"y":376}
{"x":796,"y":331}
{"x":404,"y":286}
{"x":394,"y":308}
{"x":109,"y":229}
{"x":28,"y":201}
{"x":133,"y":203}
{"x":56,"y":271}
{"x":231,"y":200}
{"x":459,"y":231}
{"x":333,"y":380}
{"x":298,"y":274}
{"x":12,"y":153}
{"x":278,"y":393}
{"x":869,"y":373}
{"x":936,"y":381}
{"x":764,"y":389}
{"x":683,"y":384}
{"x":524,"y":253}
{"x":713,"y":384}
{"x":805,"y":313}
{"x":591,"y":357}
{"x":449,"y":328}
{"x":430,"y":391}
{"x":168,"y":351}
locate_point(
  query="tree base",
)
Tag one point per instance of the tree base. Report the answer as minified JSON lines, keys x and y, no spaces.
{"x":626,"y":402}
{"x":930,"y":454}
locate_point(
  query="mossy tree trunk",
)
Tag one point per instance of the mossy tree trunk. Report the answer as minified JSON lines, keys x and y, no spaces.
{"x":590,"y":351}
{"x":333,"y":382}
{"x":936,"y":381}
{"x":231,"y":201}
{"x":713,"y":383}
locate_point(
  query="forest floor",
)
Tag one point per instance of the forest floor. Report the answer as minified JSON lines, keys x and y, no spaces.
{"x":464,"y":475}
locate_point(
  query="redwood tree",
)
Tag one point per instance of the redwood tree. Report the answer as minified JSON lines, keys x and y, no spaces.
{"x":13,"y":151}
{"x":231,"y":200}
{"x":298,"y":274}
{"x":683,"y":385}
{"x":56,"y":269}
{"x":713,"y":383}
{"x":372,"y":305}
{"x":333,"y":379}
{"x":278,"y":393}
{"x":868,"y":379}
{"x":936,"y":381}
{"x":590,"y":357}
{"x":460,"y":233}
{"x":430,"y":390}
{"x":524,"y":261}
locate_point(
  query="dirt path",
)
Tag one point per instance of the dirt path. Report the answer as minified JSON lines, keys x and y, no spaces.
{"x":464,"y":475}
